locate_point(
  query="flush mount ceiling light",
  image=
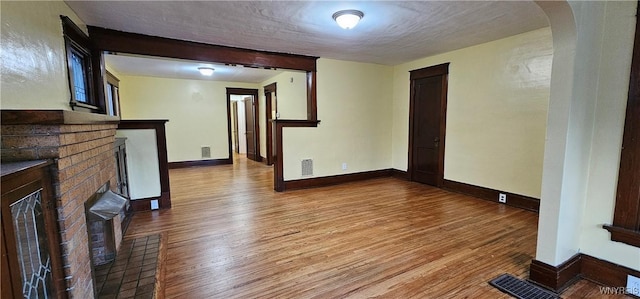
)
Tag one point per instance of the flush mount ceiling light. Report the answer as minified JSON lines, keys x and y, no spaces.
{"x":206,"y":71}
{"x":348,"y":19}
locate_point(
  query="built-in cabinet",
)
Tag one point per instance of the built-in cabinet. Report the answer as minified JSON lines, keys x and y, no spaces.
{"x":31,"y":260}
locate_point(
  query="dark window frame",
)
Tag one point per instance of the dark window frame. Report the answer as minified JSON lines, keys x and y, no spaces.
{"x":77,"y":42}
{"x":113,"y":84}
{"x":626,"y":217}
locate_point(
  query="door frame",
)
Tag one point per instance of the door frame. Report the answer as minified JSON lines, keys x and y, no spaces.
{"x":431,"y":71}
{"x":234,"y":126}
{"x":269,"y":127}
{"x":244,"y":92}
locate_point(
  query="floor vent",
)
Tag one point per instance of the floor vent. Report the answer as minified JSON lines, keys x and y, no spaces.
{"x":521,"y":289}
{"x":307,"y":167}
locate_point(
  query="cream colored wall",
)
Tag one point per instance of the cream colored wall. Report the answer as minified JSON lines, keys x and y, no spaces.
{"x":196,"y":110}
{"x":142,"y":163}
{"x":612,"y":89}
{"x":496,"y":112}
{"x":354,"y":100}
{"x":33,"y":70}
{"x":292,"y":100}
{"x":582,"y":155}
{"x":292,"y":96}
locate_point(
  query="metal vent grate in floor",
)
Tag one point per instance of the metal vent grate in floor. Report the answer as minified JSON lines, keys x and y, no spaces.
{"x":521,"y":289}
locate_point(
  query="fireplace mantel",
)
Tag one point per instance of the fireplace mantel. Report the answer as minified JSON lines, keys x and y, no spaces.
{"x":54,"y":117}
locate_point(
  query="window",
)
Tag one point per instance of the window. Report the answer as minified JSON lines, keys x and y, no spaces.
{"x":78,"y":72}
{"x":79,"y":67}
{"x":112,"y":95}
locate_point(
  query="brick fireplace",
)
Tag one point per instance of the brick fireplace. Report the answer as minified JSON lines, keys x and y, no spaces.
{"x":81,"y":146}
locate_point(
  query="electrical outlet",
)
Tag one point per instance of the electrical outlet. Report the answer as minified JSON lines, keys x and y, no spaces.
{"x":344,"y":166}
{"x":502,"y":198}
{"x":154,"y":204}
{"x":633,"y":285}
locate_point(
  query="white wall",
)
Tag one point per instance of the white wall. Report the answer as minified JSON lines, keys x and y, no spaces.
{"x":196,"y":110}
{"x":354,"y":100}
{"x":142,"y":163}
{"x":33,"y":71}
{"x":496,"y":112}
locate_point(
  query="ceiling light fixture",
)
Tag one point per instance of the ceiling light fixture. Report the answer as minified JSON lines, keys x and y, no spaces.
{"x":206,"y":71}
{"x":348,"y":19}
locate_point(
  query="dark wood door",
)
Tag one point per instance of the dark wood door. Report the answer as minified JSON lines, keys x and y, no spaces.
{"x":250,"y":118}
{"x":271,"y":110}
{"x":428,"y":106}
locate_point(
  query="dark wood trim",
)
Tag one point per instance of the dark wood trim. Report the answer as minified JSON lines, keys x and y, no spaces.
{"x":626,"y":215}
{"x":161,"y":143}
{"x":256,"y":129}
{"x":113,"y":80}
{"x":142,"y":204}
{"x":269,"y":117}
{"x":278,"y":170}
{"x":97,"y":74}
{"x":605,"y":272}
{"x":580,"y":266}
{"x":556,"y":278}
{"x":107,"y":40}
{"x":165,"y":200}
{"x":516,"y":200}
{"x":78,"y":42}
{"x":312,"y":102}
{"x":436,"y":70}
{"x":197,"y":163}
{"x":19,"y":180}
{"x":54,"y":117}
{"x":273,"y":87}
{"x":336,"y":179}
{"x":400,"y":174}
{"x":126,"y":42}
{"x":72,"y":31}
{"x":623,"y":235}
{"x":229,"y":128}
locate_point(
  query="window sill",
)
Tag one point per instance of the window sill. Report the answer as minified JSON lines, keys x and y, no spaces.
{"x":623,"y":235}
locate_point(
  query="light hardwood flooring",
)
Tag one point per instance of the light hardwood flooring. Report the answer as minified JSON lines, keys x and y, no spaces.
{"x":231,"y":236}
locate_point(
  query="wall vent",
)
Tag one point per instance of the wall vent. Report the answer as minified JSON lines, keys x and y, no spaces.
{"x":307,"y":167}
{"x":206,"y":152}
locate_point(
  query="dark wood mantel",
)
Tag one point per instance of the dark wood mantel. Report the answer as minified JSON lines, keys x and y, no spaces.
{"x":54,"y":117}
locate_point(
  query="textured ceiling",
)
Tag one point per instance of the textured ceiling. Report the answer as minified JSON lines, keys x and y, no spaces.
{"x":391,"y":32}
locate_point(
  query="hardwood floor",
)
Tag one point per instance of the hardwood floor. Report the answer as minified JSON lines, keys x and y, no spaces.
{"x":231,"y":236}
